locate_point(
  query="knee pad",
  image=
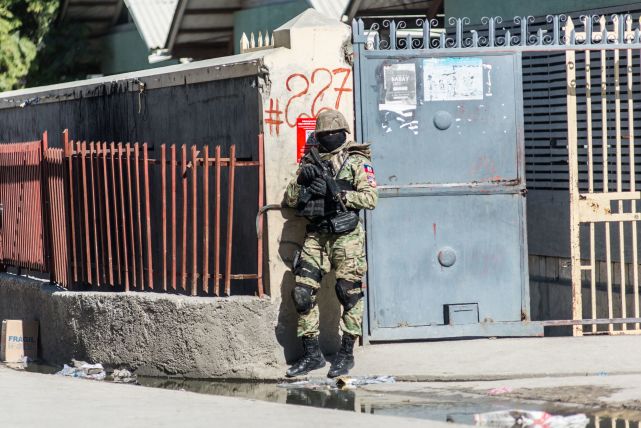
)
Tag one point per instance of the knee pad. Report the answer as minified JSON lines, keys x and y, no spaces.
{"x":308,"y":270}
{"x":348,"y":293}
{"x":303,"y":296}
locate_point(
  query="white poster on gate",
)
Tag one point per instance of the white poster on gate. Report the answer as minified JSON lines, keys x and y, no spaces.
{"x":452,"y":79}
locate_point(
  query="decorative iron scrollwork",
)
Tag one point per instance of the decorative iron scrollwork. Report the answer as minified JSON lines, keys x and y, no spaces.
{"x":552,"y":32}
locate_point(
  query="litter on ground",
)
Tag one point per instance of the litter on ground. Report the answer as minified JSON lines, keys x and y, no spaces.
{"x":84,"y":370}
{"x":500,"y":391}
{"x":341,"y":382}
{"x":123,"y":376}
{"x":527,"y":418}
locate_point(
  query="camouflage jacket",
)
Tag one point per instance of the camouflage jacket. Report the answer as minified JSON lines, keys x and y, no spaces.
{"x":352,"y":161}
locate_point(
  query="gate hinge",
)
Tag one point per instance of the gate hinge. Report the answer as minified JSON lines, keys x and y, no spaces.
{"x":523,"y":192}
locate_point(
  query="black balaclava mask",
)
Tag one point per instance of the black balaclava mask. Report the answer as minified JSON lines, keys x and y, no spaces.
{"x":331,"y":141}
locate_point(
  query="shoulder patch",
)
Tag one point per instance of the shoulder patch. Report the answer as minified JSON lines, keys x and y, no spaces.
{"x":369,"y":171}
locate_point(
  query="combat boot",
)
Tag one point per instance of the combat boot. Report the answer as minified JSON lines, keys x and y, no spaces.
{"x":345,"y":358}
{"x":312,"y":359}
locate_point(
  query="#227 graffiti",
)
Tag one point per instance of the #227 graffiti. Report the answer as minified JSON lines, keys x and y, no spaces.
{"x":317,"y":86}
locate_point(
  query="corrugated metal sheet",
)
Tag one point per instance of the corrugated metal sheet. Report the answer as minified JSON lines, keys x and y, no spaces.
{"x":363,"y":8}
{"x":153,"y":19}
{"x":332,"y":8}
{"x":202,"y":28}
{"x":98,"y":15}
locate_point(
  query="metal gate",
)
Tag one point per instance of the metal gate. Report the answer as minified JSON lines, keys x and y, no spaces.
{"x":604,"y":201}
{"x":447,"y":242}
{"x":442,"y":108}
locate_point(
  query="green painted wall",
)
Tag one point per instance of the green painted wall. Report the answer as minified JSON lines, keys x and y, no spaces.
{"x":125,"y":50}
{"x":265,"y":18}
{"x":476,"y":9}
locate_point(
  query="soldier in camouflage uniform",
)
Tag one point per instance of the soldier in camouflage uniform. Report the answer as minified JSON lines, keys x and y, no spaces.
{"x":324,"y":249}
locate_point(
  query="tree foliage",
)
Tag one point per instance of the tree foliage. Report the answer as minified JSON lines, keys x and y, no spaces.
{"x":35,"y":51}
{"x":16,"y":51}
{"x":66,"y":54}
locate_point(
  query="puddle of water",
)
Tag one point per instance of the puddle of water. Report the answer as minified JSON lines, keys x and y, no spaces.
{"x":435,"y":405}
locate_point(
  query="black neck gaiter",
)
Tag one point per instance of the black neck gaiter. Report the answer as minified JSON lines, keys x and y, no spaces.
{"x":330,"y":142}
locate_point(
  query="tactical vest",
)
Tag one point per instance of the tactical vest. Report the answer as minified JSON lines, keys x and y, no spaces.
{"x":320,"y":208}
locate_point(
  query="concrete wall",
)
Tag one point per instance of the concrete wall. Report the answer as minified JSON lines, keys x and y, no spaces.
{"x":150,"y":333}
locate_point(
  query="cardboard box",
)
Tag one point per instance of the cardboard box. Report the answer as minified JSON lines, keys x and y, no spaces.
{"x":19,"y":339}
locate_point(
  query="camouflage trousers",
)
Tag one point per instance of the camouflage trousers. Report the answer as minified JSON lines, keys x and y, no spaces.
{"x":346,"y":255}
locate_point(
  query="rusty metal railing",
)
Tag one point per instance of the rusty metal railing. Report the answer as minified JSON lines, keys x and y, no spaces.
{"x":55,"y":229}
{"x":113,"y":214}
{"x":21,"y":233}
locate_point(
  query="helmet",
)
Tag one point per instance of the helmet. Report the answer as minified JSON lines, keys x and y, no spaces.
{"x":331,"y":120}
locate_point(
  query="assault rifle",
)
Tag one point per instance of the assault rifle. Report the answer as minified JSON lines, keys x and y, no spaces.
{"x":327,"y":174}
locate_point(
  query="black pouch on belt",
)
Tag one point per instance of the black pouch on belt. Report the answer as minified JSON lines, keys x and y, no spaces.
{"x":344,"y":222}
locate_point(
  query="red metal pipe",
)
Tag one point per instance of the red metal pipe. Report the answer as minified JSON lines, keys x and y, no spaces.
{"x":112,"y":152}
{"x":163,"y":191}
{"x":230,"y":218}
{"x":123,"y":217}
{"x":132,"y":235}
{"x":174,"y":274}
{"x":194,"y":221}
{"x":98,"y":213}
{"x":107,"y":214}
{"x":217,"y":227}
{"x":85,"y":188}
{"x":184,"y":217}
{"x":68,"y":148}
{"x":141,"y":275}
{"x":206,"y":219}
{"x":150,"y":268}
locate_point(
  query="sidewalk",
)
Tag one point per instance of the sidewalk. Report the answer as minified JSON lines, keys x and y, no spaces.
{"x":35,"y":400}
{"x":493,"y":359}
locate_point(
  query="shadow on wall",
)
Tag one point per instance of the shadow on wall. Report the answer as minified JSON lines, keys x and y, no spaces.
{"x":292,"y":238}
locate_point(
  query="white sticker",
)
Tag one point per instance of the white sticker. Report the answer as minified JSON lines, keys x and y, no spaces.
{"x":399,"y":82}
{"x":451,"y":79}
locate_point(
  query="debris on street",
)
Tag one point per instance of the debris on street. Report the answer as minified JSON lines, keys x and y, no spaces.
{"x":342,"y":382}
{"x":123,"y":376}
{"x":527,"y":418}
{"x":84,"y":370}
{"x":500,"y":390}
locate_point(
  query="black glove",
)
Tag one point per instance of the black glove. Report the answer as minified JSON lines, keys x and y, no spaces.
{"x":318,"y":187}
{"x":307,"y":174}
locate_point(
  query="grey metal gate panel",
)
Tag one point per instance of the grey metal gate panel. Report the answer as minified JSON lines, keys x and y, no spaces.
{"x":446,"y":246}
{"x":408,"y":285}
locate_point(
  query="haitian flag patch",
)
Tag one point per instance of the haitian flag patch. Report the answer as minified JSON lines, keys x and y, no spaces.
{"x":371,"y":179}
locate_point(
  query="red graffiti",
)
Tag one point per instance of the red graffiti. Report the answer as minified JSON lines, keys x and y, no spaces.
{"x":300,"y":93}
{"x":319,"y":85}
{"x":321,"y":93}
{"x":343,"y":88}
{"x":273,"y":117}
